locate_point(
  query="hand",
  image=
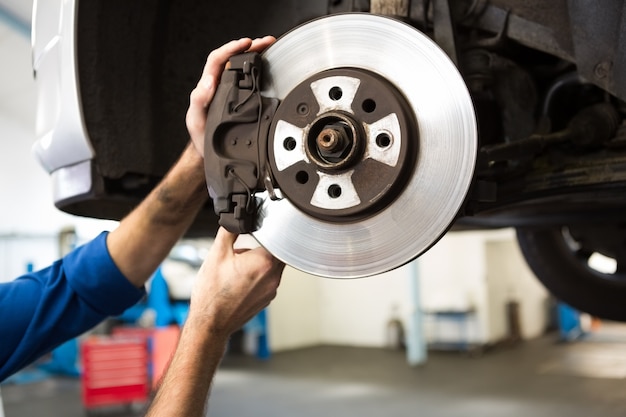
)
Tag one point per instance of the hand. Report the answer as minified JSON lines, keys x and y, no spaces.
{"x":202,"y":95}
{"x":232,"y":286}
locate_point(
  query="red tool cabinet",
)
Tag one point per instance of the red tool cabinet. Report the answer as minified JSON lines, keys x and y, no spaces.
{"x":115,"y":371}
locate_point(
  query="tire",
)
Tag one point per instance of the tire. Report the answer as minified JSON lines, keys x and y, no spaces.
{"x":560,"y":262}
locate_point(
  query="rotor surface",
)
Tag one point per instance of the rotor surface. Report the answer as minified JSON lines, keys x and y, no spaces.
{"x":445,"y":141}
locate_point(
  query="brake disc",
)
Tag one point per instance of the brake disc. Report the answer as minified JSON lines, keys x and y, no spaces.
{"x":372,"y":149}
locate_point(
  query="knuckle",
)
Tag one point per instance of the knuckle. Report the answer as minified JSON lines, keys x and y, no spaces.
{"x":266,"y":264}
{"x":194,"y":126}
{"x":195,"y":96}
{"x":214,"y":55}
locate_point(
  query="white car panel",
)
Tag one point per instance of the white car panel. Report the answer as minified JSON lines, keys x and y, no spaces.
{"x":62,"y":137}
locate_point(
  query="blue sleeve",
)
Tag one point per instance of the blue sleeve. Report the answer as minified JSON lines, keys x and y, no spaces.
{"x":43,"y":309}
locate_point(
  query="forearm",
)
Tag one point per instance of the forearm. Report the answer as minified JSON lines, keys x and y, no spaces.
{"x":232,"y":286}
{"x":145,"y":237}
{"x":185,"y":387}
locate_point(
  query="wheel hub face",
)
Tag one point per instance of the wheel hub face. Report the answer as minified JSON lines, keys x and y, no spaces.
{"x":341,"y":145}
{"x":333,"y":141}
{"x":363,"y":192}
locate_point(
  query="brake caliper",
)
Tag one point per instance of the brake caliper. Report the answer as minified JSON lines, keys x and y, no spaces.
{"x":235,"y":153}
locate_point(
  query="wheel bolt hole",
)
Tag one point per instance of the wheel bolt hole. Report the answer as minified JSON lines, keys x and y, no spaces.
{"x":383,"y":140}
{"x":368,"y":105}
{"x":335,"y":93}
{"x":334,"y":191}
{"x":302,"y":177}
{"x":289,"y":143}
{"x":302,"y":109}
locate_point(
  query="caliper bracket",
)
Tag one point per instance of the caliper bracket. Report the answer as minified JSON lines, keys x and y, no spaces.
{"x":235,"y":146}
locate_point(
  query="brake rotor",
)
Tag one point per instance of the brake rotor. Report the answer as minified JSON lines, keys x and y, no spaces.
{"x":372,"y":148}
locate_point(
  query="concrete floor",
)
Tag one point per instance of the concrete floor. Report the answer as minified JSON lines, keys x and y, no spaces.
{"x":540,"y":378}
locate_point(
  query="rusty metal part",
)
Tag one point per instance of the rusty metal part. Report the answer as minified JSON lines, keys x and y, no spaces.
{"x":332,"y":140}
{"x":590,"y":128}
{"x":587,"y":33}
{"x":397,"y":8}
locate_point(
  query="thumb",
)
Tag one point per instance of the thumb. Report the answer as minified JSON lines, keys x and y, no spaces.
{"x":224,"y":241}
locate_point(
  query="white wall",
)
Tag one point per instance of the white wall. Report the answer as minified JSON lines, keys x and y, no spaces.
{"x":17,"y":252}
{"x":311,"y":310}
{"x":518,"y":283}
{"x":452,"y":278}
{"x":481,"y":271}
{"x":358,"y":312}
{"x":294,"y":315}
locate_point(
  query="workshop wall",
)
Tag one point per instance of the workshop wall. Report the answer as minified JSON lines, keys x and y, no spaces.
{"x":294,"y":316}
{"x":310,"y":310}
{"x":484,"y":274}
{"x":507,"y":266}
{"x":479,"y":275}
{"x":19,"y":253}
{"x":452,"y":279}
{"x":360,"y":312}
{"x":25,"y":188}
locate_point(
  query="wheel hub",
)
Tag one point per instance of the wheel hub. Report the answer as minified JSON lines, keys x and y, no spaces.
{"x":342,"y":144}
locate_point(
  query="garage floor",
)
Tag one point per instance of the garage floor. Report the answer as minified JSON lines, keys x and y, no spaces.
{"x":538,"y":378}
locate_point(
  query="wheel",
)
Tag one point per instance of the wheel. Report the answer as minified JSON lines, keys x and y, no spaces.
{"x":582,"y":265}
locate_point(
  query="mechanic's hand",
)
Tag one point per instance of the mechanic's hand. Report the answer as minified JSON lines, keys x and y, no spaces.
{"x":202,"y":95}
{"x":232,"y":286}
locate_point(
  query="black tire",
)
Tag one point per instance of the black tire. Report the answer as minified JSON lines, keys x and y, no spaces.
{"x":563,"y":270}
